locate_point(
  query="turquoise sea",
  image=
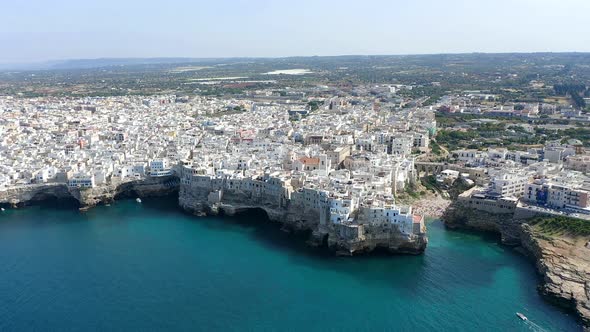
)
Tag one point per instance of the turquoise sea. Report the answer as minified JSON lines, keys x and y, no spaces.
{"x":142,"y":267}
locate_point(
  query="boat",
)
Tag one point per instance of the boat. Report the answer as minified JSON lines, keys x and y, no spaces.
{"x":2,"y":209}
{"x":521,"y":316}
{"x":138,"y":200}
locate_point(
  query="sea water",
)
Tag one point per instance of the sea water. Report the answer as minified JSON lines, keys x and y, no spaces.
{"x":130,"y":267}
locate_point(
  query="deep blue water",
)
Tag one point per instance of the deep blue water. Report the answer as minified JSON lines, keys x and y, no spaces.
{"x":150,"y":267}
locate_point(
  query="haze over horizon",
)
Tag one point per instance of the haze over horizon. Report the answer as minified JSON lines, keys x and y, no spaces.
{"x":37,"y":31}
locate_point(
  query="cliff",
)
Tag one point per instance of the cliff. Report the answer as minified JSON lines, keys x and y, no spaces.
{"x":343,"y":239}
{"x":458,"y":216}
{"x":563,"y":262}
{"x":31,"y":194}
{"x":147,"y":187}
{"x":88,"y":197}
{"x":374,"y":239}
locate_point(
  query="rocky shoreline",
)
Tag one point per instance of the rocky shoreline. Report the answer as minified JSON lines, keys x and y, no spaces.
{"x":342,"y":240}
{"x":562,"y":262}
{"x":90,"y":197}
{"x":292,"y":219}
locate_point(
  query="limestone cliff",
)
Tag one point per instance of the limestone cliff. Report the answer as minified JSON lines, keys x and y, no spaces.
{"x":374,"y":238}
{"x":88,"y":197}
{"x":31,"y":194}
{"x":147,"y":187}
{"x":343,"y":240}
{"x":460,"y":217}
{"x":564,"y":264}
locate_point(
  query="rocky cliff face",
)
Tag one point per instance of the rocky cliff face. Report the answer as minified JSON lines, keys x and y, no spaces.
{"x":460,"y":217}
{"x":27,"y":195}
{"x":392,"y":243}
{"x":90,"y":197}
{"x":342,"y":239}
{"x":564,"y":263}
{"x":148,"y":187}
{"x":202,"y":201}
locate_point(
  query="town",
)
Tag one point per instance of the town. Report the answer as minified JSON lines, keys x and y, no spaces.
{"x":360,"y":152}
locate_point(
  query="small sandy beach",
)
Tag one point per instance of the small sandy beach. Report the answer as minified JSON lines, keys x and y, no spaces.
{"x":431,"y":206}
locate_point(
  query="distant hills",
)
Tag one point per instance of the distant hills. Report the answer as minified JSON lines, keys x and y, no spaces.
{"x":110,"y":62}
{"x":131,"y":62}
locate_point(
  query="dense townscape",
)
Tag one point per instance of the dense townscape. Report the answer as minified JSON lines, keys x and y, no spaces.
{"x":345,"y":158}
{"x":359,"y":147}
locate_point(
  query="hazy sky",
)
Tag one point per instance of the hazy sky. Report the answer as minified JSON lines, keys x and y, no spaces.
{"x":34,"y":30}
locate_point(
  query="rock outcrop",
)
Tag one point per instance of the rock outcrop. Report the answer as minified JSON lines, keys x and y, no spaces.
{"x":31,"y":194}
{"x":147,"y":187}
{"x":344,"y":240}
{"x":459,"y":217}
{"x":564,"y":263}
{"x":89,"y":197}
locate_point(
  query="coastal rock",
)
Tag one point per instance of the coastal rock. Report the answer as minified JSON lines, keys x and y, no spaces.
{"x":89,"y":197}
{"x":31,"y":194}
{"x":564,"y":263}
{"x":147,"y":187}
{"x":342,"y":240}
{"x":460,"y":217}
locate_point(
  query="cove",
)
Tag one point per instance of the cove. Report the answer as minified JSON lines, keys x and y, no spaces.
{"x":149,"y":266}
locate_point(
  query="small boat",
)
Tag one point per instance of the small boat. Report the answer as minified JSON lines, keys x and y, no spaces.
{"x":2,"y":209}
{"x":138,"y":200}
{"x":521,"y":316}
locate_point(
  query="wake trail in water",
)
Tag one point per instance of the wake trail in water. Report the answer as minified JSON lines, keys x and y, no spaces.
{"x":534,"y":327}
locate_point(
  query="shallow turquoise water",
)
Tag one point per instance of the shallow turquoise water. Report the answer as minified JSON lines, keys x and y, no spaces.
{"x":150,"y":267}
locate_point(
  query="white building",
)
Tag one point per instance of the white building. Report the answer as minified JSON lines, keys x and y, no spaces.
{"x":82,"y":180}
{"x":160,"y":167}
{"x":509,"y":184}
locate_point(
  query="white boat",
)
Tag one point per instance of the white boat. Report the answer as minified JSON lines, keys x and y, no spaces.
{"x":521,"y":316}
{"x":2,"y":209}
{"x":138,"y":200}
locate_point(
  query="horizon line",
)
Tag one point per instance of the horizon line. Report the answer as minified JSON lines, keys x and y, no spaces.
{"x":281,"y":56}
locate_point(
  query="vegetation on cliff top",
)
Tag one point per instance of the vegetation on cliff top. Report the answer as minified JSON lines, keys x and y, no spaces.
{"x":562,"y":225}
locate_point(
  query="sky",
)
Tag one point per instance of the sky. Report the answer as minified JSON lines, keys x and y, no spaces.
{"x":40,"y":30}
